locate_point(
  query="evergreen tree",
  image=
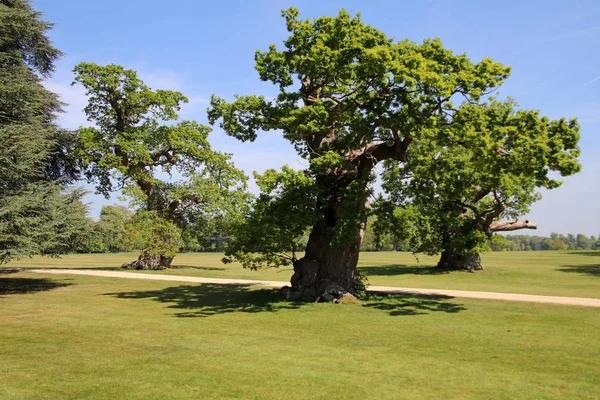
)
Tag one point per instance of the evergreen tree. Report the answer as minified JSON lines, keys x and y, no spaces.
{"x":36,"y":216}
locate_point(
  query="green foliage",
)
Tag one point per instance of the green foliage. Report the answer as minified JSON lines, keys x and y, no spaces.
{"x":485,"y":168}
{"x":35,"y":217}
{"x":554,"y":242}
{"x":41,"y":220}
{"x":361,"y":282}
{"x":152,"y":234}
{"x":108,"y":234}
{"x":135,"y":139}
{"x":499,"y":243}
{"x":349,"y":97}
{"x":278,"y":222}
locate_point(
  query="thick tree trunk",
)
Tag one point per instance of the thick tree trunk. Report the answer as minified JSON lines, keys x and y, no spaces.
{"x":149,"y":261}
{"x":327,"y":272}
{"x":456,"y":262}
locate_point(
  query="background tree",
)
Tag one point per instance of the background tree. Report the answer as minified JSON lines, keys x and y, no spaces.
{"x":36,"y":215}
{"x":349,"y":98}
{"x":107,"y":235}
{"x":479,"y":171}
{"x":132,"y":147}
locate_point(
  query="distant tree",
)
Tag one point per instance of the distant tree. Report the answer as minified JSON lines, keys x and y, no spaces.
{"x":36,"y":215}
{"x":547,"y":244}
{"x":571,"y":241}
{"x":499,"y":243}
{"x":596,"y":245}
{"x":559,"y":244}
{"x":133,"y":142}
{"x":583,"y":242}
{"x":111,"y":227}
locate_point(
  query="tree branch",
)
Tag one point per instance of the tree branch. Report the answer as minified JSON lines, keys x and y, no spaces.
{"x":501,"y":226}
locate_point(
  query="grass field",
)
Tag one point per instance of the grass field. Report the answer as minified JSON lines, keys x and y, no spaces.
{"x":542,"y":272}
{"x":77,"y":337}
{"x":98,"y":338}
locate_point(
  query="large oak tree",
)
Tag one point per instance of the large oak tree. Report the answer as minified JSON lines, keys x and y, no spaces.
{"x":349,"y":98}
{"x":479,"y":176}
{"x":166,"y":167}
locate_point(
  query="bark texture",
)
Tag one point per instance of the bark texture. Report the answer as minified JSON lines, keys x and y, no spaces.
{"x":327,"y":271}
{"x":149,"y":262}
{"x":458,"y":262}
{"x":500,"y":226}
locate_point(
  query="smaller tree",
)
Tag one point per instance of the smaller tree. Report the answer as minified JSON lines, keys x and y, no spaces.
{"x":157,"y":238}
{"x":465,"y":178}
{"x":499,"y":243}
{"x":134,"y":143}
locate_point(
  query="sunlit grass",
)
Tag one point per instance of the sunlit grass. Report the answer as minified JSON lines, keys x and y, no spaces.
{"x":74,"y":337}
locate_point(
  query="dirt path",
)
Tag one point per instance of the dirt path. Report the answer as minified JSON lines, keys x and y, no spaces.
{"x":573,"y":301}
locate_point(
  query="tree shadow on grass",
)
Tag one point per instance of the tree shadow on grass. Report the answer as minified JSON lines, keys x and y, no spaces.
{"x":208,"y":299}
{"x":591,"y":269}
{"x":585,"y":253}
{"x":390,"y":270}
{"x":413,"y":304}
{"x":72,"y":268}
{"x":28,"y":285}
{"x":196,"y":267}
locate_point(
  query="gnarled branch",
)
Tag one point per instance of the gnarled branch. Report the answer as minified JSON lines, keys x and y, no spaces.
{"x":500,"y":226}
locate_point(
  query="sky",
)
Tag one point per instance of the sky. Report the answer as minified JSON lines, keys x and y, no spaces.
{"x":203,"y":47}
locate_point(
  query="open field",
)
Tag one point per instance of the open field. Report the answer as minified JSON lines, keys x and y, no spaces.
{"x":79,"y":337}
{"x":555,"y":273}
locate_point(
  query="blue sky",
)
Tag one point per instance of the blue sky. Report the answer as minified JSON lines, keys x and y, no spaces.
{"x":204,"y":47}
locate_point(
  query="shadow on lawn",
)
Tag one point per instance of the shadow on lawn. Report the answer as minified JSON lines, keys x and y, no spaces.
{"x":27,"y":285}
{"x":591,"y":269}
{"x":585,"y":253}
{"x":413,"y":304}
{"x":207,"y":299}
{"x":389,"y":270}
{"x":196,"y":267}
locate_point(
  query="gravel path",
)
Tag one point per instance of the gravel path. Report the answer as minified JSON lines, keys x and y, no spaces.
{"x":574,"y":301}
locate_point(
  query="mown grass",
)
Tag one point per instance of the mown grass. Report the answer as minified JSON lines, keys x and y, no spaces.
{"x":542,"y":272}
{"x":75,"y":337}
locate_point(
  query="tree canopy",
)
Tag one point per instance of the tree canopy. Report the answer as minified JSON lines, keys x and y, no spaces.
{"x":36,"y":217}
{"x":350,"y":98}
{"x":484,"y":169}
{"x":137,"y":142}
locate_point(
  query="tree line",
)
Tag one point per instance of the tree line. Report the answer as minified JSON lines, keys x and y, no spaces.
{"x":555,"y":241}
{"x":458,"y":165}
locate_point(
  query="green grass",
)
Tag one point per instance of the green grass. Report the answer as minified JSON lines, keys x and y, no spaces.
{"x":542,"y":272}
{"x":75,"y":337}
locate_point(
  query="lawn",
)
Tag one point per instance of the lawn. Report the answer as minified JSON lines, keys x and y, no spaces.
{"x":542,"y":272}
{"x":76,"y":337}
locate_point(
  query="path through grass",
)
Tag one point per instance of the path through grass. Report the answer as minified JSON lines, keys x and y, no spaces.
{"x":575,"y":274}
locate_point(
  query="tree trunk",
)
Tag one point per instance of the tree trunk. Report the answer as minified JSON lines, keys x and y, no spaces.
{"x":328,"y":271}
{"x":457,"y":262}
{"x":149,"y":262}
